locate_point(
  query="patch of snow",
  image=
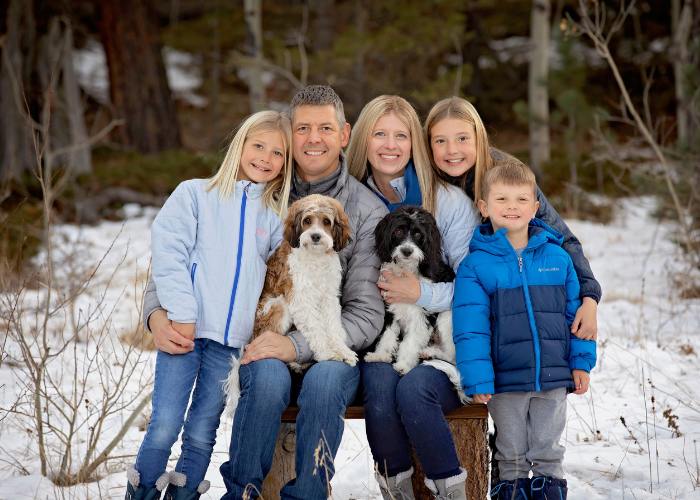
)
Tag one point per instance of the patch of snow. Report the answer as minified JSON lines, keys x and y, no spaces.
{"x":648,"y":347}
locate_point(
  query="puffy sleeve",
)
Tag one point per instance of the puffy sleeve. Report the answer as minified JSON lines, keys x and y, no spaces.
{"x":472,"y":332}
{"x":173,"y":236}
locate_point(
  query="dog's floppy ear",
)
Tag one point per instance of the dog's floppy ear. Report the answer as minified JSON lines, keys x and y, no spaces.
{"x":341,"y":227}
{"x":293,"y":224}
{"x":382,"y":239}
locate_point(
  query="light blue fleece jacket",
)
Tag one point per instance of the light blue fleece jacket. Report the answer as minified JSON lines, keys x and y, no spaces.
{"x":456,"y":217}
{"x":209,"y":258}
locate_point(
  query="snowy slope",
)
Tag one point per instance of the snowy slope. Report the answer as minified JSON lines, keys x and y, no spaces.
{"x":648,"y":347}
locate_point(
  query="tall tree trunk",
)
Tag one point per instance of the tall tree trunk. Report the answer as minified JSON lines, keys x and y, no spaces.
{"x":16,"y":63}
{"x":681,"y":21}
{"x":80,"y":161}
{"x":538,"y":92}
{"x":253,"y":39}
{"x":324,"y":25}
{"x":138,"y":83}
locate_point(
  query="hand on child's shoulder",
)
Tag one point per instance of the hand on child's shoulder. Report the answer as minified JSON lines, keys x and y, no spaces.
{"x":581,"y":381}
{"x":184,"y":329}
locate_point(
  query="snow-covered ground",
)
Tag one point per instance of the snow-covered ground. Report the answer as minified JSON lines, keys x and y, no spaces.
{"x":648,"y":348}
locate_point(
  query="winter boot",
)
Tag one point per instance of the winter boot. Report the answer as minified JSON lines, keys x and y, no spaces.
{"x":398,"y":487}
{"x":177,"y":491}
{"x":136,"y":492}
{"x":548,"y":488}
{"x":512,"y":490}
{"x":451,"y":488}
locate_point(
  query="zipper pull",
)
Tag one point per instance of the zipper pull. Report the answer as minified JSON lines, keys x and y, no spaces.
{"x":520,"y":261}
{"x":245,"y":190}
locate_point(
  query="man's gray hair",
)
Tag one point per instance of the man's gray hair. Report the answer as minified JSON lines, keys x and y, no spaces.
{"x":318,"y":95}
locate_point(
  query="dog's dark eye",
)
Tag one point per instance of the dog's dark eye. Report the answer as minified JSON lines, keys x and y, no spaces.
{"x":417,"y":235}
{"x":307,"y":221}
{"x":326,"y":222}
{"x":398,"y":232}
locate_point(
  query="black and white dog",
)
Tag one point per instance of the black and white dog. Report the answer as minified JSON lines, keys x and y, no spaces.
{"x":408,"y":239}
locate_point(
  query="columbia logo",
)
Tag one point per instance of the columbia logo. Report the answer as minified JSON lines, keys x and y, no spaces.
{"x":545,"y":269}
{"x":261,"y":232}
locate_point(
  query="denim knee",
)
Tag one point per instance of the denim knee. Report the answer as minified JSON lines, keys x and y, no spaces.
{"x":330,"y":381}
{"x":268,"y":381}
{"x":163,"y":430}
{"x":414,"y":390}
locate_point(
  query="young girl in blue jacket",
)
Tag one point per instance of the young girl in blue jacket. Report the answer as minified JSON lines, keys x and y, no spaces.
{"x":210,"y":243}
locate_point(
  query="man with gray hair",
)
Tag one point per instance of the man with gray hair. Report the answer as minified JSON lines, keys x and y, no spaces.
{"x":324,"y":391}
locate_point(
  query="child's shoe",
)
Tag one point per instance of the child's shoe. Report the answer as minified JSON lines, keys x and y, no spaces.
{"x":548,"y":488}
{"x":136,"y":492}
{"x":451,"y":488}
{"x":511,"y":490}
{"x":177,"y":491}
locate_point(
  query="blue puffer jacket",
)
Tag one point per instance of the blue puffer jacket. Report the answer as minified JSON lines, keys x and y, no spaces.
{"x":511,"y":314}
{"x":209,"y":258}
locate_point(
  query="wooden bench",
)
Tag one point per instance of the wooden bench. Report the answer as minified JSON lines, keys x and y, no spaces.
{"x":469,"y":425}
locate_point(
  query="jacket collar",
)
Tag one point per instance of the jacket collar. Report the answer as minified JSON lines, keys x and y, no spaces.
{"x":407,"y":188}
{"x":330,"y":185}
{"x":254,"y":190}
{"x":497,"y":243}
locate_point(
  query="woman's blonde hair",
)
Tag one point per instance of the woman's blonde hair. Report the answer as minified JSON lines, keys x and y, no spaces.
{"x":276,"y":192}
{"x":456,"y":107}
{"x":356,"y":152}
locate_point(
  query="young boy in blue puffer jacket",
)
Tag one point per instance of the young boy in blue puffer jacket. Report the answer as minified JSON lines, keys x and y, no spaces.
{"x":516,"y":295}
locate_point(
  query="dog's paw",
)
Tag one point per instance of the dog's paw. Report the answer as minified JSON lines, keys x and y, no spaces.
{"x":431,"y":353}
{"x":376,"y":357}
{"x":402,"y":367}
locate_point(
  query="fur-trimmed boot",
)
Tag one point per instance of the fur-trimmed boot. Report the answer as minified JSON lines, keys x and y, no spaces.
{"x":398,"y":487}
{"x":177,"y":491}
{"x":548,"y":488}
{"x":451,"y":488}
{"x":136,"y":492}
{"x":512,"y":490}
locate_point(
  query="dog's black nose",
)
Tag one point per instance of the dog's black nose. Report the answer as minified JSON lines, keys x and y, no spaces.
{"x":315,"y":237}
{"x":406,"y":252}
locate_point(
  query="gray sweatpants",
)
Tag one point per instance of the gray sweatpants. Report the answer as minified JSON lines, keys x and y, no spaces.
{"x":529,"y":425}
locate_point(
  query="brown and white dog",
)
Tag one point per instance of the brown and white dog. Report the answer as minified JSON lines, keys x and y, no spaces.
{"x":302,"y":285}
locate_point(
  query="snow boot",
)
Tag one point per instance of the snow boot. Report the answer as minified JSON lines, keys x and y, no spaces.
{"x":177,"y":491}
{"x":511,"y":490}
{"x":548,"y":488}
{"x":451,"y":488}
{"x":136,"y":492}
{"x":398,"y":487}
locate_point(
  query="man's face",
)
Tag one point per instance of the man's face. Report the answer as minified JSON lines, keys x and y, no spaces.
{"x":317,"y":141}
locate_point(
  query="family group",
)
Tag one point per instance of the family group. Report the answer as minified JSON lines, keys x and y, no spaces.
{"x":523,"y":304}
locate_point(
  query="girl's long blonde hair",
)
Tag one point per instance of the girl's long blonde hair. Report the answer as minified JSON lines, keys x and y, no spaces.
{"x":456,"y":107}
{"x":276,"y":192}
{"x":356,"y":152}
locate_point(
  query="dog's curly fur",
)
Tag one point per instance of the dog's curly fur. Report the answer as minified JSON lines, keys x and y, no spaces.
{"x":302,"y":285}
{"x":408,"y":239}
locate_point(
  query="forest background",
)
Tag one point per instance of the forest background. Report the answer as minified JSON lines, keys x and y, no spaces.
{"x":106,"y":104}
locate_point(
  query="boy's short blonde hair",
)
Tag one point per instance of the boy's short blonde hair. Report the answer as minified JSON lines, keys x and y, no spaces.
{"x":511,"y":173}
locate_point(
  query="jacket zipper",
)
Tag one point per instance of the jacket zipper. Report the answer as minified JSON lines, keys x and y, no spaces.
{"x":194,"y":269}
{"x":238,"y":263}
{"x":533,"y":327}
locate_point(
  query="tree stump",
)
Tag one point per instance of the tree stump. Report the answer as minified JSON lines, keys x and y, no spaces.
{"x":469,"y":425}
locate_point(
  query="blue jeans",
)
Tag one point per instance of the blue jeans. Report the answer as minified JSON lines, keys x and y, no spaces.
{"x":400,"y":411}
{"x":208,"y":364}
{"x":267,"y":387}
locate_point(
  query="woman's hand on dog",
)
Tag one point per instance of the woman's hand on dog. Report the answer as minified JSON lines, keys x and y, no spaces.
{"x":270,"y":345}
{"x":585,"y":325}
{"x":399,"y":290}
{"x":165,"y":337}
